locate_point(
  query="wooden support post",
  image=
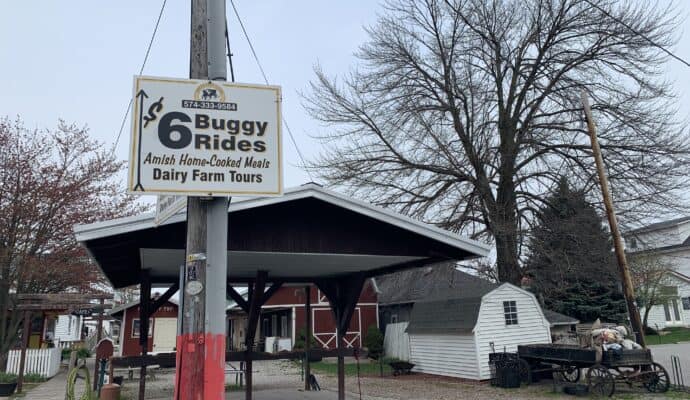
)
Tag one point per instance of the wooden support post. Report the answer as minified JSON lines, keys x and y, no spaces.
{"x":144,"y":315}
{"x":341,"y":364}
{"x":626,"y":280}
{"x":343,"y":295}
{"x":158,"y":303}
{"x":252,"y":322}
{"x":99,"y":328}
{"x":237,"y":298}
{"x":307,"y":337}
{"x":26,"y":331}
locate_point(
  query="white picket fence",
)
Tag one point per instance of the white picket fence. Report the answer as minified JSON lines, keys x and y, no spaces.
{"x":45,"y":362}
{"x":396,"y":342}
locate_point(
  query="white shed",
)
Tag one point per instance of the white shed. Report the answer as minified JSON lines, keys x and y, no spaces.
{"x":453,"y":337}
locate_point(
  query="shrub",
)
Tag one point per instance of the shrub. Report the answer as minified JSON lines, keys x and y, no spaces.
{"x":83,"y":353}
{"x":301,"y":337}
{"x":7,"y":378}
{"x":374,"y":342}
{"x":34,"y":378}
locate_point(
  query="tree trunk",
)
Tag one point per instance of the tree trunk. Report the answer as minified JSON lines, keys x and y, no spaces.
{"x":504,"y":218}
{"x":506,"y":258}
{"x":646,"y":315}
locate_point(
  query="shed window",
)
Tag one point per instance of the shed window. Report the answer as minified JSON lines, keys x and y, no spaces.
{"x":136,"y":327}
{"x":510,"y":312}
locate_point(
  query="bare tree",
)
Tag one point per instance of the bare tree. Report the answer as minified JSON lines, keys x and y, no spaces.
{"x":464,"y":113}
{"x":127,"y":295}
{"x":49,"y":181}
{"x":651,"y":276}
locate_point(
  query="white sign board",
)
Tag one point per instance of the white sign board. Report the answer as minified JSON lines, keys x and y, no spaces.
{"x":205,"y":138}
{"x":167,"y":206}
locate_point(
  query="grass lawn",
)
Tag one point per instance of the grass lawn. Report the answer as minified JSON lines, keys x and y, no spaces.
{"x":365,"y":368}
{"x":672,"y":335}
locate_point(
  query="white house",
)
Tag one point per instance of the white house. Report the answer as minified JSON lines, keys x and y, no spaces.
{"x":454,"y":336}
{"x":670,"y":241}
{"x":68,"y":330}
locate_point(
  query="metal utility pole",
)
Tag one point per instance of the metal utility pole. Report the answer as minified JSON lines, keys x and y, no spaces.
{"x":628,"y":291}
{"x":200,"y":365}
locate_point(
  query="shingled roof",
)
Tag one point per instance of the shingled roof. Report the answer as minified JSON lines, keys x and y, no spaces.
{"x":660,"y":225}
{"x":556,"y":318}
{"x":439,"y":281}
{"x":445,"y":316}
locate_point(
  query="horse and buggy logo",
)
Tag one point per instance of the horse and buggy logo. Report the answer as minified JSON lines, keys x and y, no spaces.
{"x":209,"y":92}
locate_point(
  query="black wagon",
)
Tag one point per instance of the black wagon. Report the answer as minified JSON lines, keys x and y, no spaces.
{"x":632,"y":367}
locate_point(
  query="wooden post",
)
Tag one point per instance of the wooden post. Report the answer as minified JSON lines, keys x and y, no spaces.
{"x":307,"y":337}
{"x":26,"y":331}
{"x":252,"y":322}
{"x":72,"y":364}
{"x":340,"y":333}
{"x":628,"y":291}
{"x":343,"y":295}
{"x":144,"y":315}
{"x":99,"y":328}
{"x":201,"y":343}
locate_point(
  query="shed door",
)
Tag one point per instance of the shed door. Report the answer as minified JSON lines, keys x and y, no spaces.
{"x":164,"y":335}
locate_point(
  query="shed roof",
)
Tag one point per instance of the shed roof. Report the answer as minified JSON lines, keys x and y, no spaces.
{"x":445,"y":316}
{"x":438,"y":281}
{"x":308,"y":233}
{"x":556,"y":318}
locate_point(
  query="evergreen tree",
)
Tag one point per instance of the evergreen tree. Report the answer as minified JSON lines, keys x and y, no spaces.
{"x":571,"y":261}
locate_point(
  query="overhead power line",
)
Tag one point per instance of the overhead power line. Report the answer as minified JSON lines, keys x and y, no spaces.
{"x":638,"y":33}
{"x":141,"y":70}
{"x":263,"y":73}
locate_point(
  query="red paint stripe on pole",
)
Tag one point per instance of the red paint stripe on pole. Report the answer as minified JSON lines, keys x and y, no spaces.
{"x":190,"y":357}
{"x":214,"y":367}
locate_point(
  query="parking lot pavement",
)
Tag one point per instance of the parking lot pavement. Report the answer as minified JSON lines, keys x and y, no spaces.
{"x":662,"y":354}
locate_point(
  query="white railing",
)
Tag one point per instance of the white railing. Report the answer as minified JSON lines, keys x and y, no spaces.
{"x":45,"y":362}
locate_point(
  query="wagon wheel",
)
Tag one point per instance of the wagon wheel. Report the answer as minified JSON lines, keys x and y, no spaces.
{"x":571,"y":374}
{"x":525,"y":371}
{"x":600,"y":381}
{"x":658,"y":381}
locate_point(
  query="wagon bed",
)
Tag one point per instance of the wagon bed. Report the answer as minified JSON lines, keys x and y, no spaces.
{"x":571,"y":355}
{"x":576,"y":356}
{"x":626,"y":366}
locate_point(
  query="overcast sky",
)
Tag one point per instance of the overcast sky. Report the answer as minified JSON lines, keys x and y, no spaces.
{"x":75,"y":59}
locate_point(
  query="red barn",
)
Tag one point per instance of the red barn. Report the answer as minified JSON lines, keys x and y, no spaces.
{"x":283,"y":317}
{"x":162,"y":328}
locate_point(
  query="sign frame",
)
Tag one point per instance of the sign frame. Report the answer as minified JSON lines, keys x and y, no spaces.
{"x":135,"y":150}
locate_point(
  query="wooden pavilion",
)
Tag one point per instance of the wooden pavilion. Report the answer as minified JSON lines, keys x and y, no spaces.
{"x":308,"y":235}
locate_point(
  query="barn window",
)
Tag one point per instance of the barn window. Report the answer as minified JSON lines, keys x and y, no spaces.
{"x":284,"y":326}
{"x":510,"y":312}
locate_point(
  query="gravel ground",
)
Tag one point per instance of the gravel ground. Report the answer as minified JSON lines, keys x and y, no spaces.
{"x":267,"y":375}
{"x":272,"y":376}
{"x":419,"y":386}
